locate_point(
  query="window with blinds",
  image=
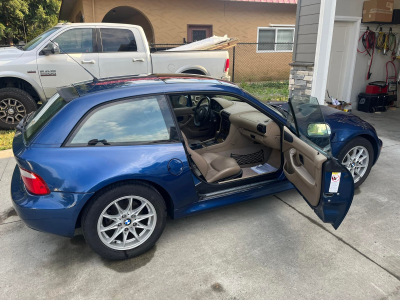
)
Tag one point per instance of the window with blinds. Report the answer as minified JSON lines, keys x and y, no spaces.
{"x":271,"y":39}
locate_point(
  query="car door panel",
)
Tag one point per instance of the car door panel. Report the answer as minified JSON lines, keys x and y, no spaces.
{"x":306,"y":175}
{"x":324,"y":183}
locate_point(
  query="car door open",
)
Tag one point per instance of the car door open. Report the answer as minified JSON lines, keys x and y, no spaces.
{"x":325,"y":184}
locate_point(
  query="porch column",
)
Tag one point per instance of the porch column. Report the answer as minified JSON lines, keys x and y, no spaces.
{"x":323,"y":50}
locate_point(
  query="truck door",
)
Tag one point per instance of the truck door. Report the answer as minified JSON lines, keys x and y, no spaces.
{"x":122,"y":52}
{"x":57,"y":70}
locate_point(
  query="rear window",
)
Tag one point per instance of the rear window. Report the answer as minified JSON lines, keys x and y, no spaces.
{"x":39,"y":119}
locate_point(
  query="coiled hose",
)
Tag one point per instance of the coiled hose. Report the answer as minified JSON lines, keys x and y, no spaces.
{"x":368,"y":39}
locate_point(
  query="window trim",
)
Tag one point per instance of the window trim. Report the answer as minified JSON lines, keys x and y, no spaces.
{"x":276,"y":38}
{"x":90,"y":112}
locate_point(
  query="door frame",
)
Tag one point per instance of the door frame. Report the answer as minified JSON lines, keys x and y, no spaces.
{"x":351,"y":55}
{"x":209,"y":26}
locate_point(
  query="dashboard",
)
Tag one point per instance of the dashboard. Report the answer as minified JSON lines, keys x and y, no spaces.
{"x":249,"y":121}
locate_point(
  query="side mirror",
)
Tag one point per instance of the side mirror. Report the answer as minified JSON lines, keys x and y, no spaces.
{"x":318,"y":130}
{"x":51,"y":48}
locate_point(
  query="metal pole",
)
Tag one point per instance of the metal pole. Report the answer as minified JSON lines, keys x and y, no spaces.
{"x":233,"y":64}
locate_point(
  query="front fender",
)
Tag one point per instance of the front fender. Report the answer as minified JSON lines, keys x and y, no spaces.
{"x":26,"y":78}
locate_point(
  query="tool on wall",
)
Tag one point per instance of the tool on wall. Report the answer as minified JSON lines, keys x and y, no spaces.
{"x":380,"y":42}
{"x":390,"y":44}
{"x":368,"y":39}
{"x":391,"y":82}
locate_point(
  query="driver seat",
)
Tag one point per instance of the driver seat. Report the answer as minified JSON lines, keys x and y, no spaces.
{"x":214,"y":167}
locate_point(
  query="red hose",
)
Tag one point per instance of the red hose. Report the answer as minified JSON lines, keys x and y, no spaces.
{"x":368,"y":39}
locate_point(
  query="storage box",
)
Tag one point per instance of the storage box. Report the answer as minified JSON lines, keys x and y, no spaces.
{"x":376,"y":87}
{"x":372,"y":102}
{"x":378,"y":11}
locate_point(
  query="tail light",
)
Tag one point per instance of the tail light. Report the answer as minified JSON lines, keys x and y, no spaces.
{"x":226,"y":65}
{"x":34,"y":183}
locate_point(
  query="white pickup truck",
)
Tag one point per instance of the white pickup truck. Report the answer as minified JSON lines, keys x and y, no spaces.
{"x":32,"y":74}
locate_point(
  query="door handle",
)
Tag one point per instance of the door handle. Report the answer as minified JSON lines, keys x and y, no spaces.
{"x":88,"y":62}
{"x":138,"y":59}
{"x":304,"y":175}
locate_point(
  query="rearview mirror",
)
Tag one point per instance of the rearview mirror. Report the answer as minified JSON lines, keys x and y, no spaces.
{"x":318,"y":130}
{"x":51,"y":48}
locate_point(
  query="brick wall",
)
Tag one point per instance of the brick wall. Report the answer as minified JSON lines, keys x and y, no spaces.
{"x":169,"y":18}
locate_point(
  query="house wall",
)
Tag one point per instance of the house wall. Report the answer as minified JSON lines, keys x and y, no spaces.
{"x":307,"y":30}
{"x":354,"y":8}
{"x":170,"y":18}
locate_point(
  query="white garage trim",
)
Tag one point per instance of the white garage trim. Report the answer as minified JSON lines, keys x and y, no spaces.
{"x":323,"y":50}
{"x":350,"y":66}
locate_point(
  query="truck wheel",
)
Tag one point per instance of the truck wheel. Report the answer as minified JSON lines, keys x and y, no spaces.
{"x":15,"y":104}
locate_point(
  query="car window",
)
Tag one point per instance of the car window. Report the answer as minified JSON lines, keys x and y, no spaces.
{"x":115,"y":40}
{"x":140,"y":120}
{"x":37,"y":40}
{"x":79,"y":40}
{"x":39,"y":118}
{"x":307,"y":121}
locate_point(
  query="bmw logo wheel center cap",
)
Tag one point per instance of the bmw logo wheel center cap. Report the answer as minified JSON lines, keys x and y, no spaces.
{"x":127,"y":222}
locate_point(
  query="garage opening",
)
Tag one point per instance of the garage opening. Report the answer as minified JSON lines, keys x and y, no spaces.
{"x":130,"y":15}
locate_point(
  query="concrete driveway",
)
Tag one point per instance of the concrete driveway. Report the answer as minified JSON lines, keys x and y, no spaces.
{"x":269,"y":248}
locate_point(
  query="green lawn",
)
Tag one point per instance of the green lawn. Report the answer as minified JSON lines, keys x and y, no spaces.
{"x":6,"y":139}
{"x":269,"y":90}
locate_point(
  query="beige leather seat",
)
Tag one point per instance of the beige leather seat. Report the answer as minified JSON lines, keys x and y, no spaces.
{"x":212,"y":166}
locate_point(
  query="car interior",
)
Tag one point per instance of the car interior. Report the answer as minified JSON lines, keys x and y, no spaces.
{"x":226,"y":138}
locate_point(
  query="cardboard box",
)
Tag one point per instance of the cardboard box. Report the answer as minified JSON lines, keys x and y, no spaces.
{"x":378,"y":11}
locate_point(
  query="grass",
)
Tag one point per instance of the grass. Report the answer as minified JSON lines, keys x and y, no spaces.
{"x":268,"y":90}
{"x":6,"y":139}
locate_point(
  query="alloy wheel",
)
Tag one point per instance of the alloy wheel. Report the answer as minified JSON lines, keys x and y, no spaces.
{"x":126,"y":222}
{"x":12,"y":111}
{"x":356,"y":161}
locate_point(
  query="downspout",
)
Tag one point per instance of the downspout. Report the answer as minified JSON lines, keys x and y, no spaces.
{"x":94,"y":15}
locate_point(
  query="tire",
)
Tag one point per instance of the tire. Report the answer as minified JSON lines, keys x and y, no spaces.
{"x":93,"y":217}
{"x":358,"y":142}
{"x":21,"y":104}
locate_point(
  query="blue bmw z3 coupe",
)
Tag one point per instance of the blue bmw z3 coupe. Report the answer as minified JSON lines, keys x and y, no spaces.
{"x":115,"y":157}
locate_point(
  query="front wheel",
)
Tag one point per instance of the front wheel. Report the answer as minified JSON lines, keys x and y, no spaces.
{"x":15,"y":104}
{"x":124,"y":221}
{"x":357,"y":156}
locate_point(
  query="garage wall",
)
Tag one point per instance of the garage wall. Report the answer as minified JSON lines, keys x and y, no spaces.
{"x":354,"y":8}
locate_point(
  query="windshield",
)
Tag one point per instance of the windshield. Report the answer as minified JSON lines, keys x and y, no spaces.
{"x":37,"y":121}
{"x":306,"y":120}
{"x":37,"y":40}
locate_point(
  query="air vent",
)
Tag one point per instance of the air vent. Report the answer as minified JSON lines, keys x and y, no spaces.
{"x":262,"y":128}
{"x":225,"y":115}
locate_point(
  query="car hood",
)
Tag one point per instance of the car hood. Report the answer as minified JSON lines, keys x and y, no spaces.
{"x":336,"y":118}
{"x":10,"y":53}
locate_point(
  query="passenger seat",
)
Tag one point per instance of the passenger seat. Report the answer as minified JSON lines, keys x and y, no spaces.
{"x":214,"y":167}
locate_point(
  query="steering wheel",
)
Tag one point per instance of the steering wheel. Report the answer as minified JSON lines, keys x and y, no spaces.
{"x":202,"y":112}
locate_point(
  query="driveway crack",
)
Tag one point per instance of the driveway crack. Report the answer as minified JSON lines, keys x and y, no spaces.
{"x":340,"y":239}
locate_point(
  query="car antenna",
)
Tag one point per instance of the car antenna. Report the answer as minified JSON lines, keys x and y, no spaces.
{"x":95,"y":79}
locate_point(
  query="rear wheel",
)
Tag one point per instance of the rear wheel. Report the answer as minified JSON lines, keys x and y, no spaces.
{"x":357,"y":156}
{"x":124,"y":221}
{"x":15,"y":104}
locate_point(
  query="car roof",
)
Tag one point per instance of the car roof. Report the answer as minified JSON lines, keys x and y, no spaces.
{"x":197,"y":82}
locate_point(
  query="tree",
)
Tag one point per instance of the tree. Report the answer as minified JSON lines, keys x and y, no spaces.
{"x":25,"y":19}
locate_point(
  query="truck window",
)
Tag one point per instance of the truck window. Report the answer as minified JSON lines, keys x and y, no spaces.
{"x":79,"y":40}
{"x":37,"y":40}
{"x":115,"y":40}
